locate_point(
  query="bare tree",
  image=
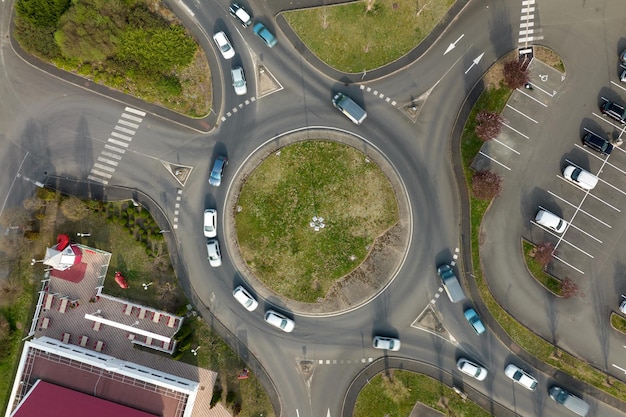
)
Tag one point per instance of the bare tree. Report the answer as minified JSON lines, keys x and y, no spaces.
{"x":486,"y":185}
{"x":568,"y":287}
{"x":515,"y":74}
{"x":544,"y":253}
{"x":74,"y":209}
{"x":488,"y":124}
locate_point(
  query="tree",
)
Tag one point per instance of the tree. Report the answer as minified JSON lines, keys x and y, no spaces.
{"x":41,"y":13}
{"x":74,"y":209}
{"x":544,"y":253}
{"x":488,"y":124}
{"x":515,"y":74}
{"x":568,"y":288}
{"x":486,"y":185}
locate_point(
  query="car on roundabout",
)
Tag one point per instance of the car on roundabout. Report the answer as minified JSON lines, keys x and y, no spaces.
{"x":214,"y":255}
{"x":279,"y":321}
{"x":519,"y":376}
{"x":474,"y":320}
{"x":386,"y":343}
{"x":472,"y":369}
{"x":224,"y":45}
{"x":218,"y":170}
{"x":240,"y":14}
{"x":262,"y":32}
{"x":245,"y":298}
{"x":210,"y":223}
{"x":239,"y":81}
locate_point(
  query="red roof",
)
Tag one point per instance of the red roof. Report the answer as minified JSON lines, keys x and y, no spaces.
{"x":46,"y":399}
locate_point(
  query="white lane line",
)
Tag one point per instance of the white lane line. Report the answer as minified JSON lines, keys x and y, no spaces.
{"x":516,"y":131}
{"x":582,"y":211}
{"x":488,"y":157}
{"x":528,"y":117}
{"x":531,"y":97}
{"x":599,"y":116}
{"x":100,"y":180}
{"x":120,"y":136}
{"x":127,"y":123}
{"x":118,"y":142}
{"x":104,"y":167}
{"x":131,"y":117}
{"x":116,"y":149}
{"x":568,"y":264}
{"x":602,"y":201}
{"x":506,"y":146}
{"x":123,"y":129}
{"x":100,"y":173}
{"x":138,"y":112}
{"x":617,"y":85}
{"x":613,"y":187}
{"x":111,"y":155}
{"x":108,"y":161}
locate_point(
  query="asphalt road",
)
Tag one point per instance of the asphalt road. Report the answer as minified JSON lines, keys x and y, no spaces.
{"x":51,"y":127}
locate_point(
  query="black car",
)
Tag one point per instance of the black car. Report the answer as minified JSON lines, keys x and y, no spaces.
{"x":614,"y":111}
{"x":597,"y":143}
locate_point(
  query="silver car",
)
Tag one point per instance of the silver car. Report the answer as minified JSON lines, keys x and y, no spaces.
{"x":470,"y":368}
{"x":386,"y":343}
{"x":279,"y":321}
{"x":213,"y":250}
{"x":224,"y":45}
{"x":245,"y":299}
{"x":521,"y":377}
{"x":239,"y":81}
{"x":210,"y":223}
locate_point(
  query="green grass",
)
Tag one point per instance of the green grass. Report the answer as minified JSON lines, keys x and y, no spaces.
{"x":283,"y":194}
{"x":524,"y":337}
{"x":352,"y":39}
{"x":618,"y":322}
{"x":395,"y":396}
{"x":537,"y":271}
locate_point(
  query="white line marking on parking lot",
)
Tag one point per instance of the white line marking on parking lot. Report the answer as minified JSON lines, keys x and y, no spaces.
{"x":568,"y":264}
{"x":515,"y":130}
{"x":537,"y":87}
{"x":560,"y":238}
{"x":506,"y":146}
{"x":602,"y":201}
{"x":531,"y":97}
{"x":528,"y":117}
{"x":607,"y":121}
{"x":617,"y":85}
{"x":488,"y":157}
{"x":582,"y":211}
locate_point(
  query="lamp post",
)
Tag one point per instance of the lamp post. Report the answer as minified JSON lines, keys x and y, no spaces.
{"x":145,"y":286}
{"x":195,"y":351}
{"x":34,"y":261}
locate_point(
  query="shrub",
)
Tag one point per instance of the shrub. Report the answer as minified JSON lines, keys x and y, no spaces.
{"x":515,"y":74}
{"x":568,"y":288}
{"x":486,"y":185}
{"x":488,"y":124}
{"x":544,"y":253}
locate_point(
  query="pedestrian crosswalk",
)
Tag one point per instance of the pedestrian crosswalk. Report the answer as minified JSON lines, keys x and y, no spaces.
{"x":116,"y":145}
{"x":527,"y":30}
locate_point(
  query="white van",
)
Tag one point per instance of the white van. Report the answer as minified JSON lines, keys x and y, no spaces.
{"x":551,"y":221}
{"x":569,"y":401}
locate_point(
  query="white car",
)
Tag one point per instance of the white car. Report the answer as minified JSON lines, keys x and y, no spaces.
{"x":239,"y":81}
{"x":213,"y":249}
{"x":223,"y":44}
{"x":279,"y":321}
{"x":521,"y":377}
{"x":551,"y":221}
{"x":386,"y":343}
{"x":245,"y":299}
{"x":210,"y":223}
{"x":584,"y":179}
{"x":470,"y":368}
{"x":241,"y":14}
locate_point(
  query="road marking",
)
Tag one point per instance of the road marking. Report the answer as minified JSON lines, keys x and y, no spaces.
{"x":531,"y":97}
{"x":537,"y":87}
{"x":582,"y":211}
{"x":607,"y":121}
{"x":568,"y":264}
{"x":131,"y":117}
{"x":100,"y":180}
{"x":113,"y":148}
{"x":138,"y":112}
{"x":111,"y":155}
{"x":493,"y":160}
{"x":127,"y":123}
{"x":100,"y":173}
{"x":560,"y":238}
{"x":526,"y":24}
{"x":602,"y":201}
{"x":108,"y":161}
{"x":528,"y":117}
{"x":506,"y":146}
{"x":120,"y":136}
{"x":617,"y":85}
{"x":123,"y":129}
{"x":104,"y":167}
{"x":118,"y":142}
{"x":516,"y":131}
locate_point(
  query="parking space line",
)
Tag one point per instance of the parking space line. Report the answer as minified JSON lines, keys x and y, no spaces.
{"x":536,"y":87}
{"x":568,"y":264}
{"x":613,"y":187}
{"x":531,"y":97}
{"x":506,"y":146}
{"x":602,"y":201}
{"x":594,"y":154}
{"x":528,"y":117}
{"x":488,"y":157}
{"x":582,"y":211}
{"x":515,"y":130}
{"x":599,"y":116}
{"x":560,"y":239}
{"x":617,"y":85}
{"x":600,"y":179}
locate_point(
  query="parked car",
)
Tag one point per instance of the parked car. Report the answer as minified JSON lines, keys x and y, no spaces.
{"x":213,"y":249}
{"x":614,"y":111}
{"x":386,"y":343}
{"x":474,"y":320}
{"x":551,"y":221}
{"x":262,"y":32}
{"x":622,"y":304}
{"x":470,"y":368}
{"x":622,"y":56}
{"x":521,"y":377}
{"x":240,"y":14}
{"x":279,"y":321}
{"x":245,"y":299}
{"x":224,"y":45}
{"x":597,"y":143}
{"x":584,"y":179}
{"x":218,"y":170}
{"x":239,"y":81}
{"x":210,"y":222}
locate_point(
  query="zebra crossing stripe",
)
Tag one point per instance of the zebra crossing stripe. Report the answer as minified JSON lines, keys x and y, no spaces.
{"x":123,"y":129}
{"x":127,"y":123}
{"x":100,"y":173}
{"x":139,"y":112}
{"x":113,"y":148}
{"x":104,"y":167}
{"x":108,"y":161}
{"x":120,"y":136}
{"x":111,"y":155}
{"x":118,"y":142}
{"x":133,"y":118}
{"x":100,"y":180}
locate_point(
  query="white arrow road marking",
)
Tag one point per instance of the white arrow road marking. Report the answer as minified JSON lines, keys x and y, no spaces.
{"x":453,"y":44}
{"x":475,"y":62}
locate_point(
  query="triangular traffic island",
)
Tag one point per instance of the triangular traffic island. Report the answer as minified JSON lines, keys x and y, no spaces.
{"x":267,"y":83}
{"x":431,"y":321}
{"x":413,"y":108}
{"x":178,"y":171}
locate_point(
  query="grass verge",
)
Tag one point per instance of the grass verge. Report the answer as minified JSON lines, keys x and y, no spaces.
{"x":395,"y":396}
{"x":618,"y":322}
{"x":537,"y":271}
{"x":281,"y":197}
{"x":368,"y":34}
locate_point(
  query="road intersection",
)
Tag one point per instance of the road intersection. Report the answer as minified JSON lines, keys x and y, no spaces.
{"x":317,"y":370}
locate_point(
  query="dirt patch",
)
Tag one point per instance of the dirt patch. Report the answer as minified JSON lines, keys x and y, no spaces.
{"x":549,"y":57}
